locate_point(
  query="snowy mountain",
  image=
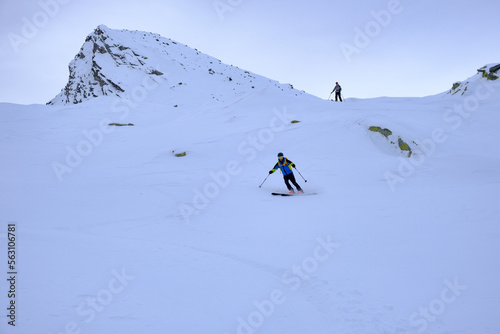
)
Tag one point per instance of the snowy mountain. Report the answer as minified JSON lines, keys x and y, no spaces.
{"x":127,"y":63}
{"x":138,"y":209}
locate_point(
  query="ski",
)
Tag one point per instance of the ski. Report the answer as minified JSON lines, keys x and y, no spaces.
{"x":294,"y":194}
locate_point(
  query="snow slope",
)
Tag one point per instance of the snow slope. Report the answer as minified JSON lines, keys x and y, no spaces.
{"x":115,"y":234}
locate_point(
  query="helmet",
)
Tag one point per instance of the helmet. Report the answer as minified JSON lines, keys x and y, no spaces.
{"x":280,"y":154}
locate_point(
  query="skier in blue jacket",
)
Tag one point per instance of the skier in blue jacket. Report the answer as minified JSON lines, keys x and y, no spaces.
{"x":284,"y":164}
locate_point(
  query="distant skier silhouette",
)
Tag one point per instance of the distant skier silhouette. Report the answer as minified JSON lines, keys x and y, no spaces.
{"x":337,"y":89}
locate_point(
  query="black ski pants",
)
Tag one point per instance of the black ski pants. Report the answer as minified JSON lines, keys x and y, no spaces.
{"x":337,"y":94}
{"x":291,"y":177}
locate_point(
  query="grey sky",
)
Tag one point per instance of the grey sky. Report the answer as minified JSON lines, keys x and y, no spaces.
{"x":371,"y":47}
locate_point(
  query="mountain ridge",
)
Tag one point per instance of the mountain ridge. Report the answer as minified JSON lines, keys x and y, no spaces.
{"x":115,"y":62}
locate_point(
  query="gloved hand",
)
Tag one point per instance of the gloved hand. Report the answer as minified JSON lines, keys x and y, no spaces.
{"x":270,"y":172}
{"x":294,"y":165}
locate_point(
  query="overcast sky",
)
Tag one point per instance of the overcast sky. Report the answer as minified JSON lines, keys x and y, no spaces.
{"x":371,"y":47}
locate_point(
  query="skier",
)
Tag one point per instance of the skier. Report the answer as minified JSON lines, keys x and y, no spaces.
{"x":337,"y":89}
{"x":285,"y":166}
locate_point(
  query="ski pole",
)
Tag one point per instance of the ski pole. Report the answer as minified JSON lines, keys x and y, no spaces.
{"x":330,"y":96}
{"x":300,"y":174}
{"x":264,"y":180}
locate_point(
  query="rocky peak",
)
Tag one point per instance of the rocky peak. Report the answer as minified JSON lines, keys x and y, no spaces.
{"x":92,"y":73}
{"x":117,"y":62}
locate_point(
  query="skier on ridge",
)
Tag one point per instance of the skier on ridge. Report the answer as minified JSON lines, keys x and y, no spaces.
{"x":337,"y":89}
{"x":284,"y":164}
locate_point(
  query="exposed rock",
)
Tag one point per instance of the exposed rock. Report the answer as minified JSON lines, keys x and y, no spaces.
{"x":87,"y":78}
{"x":385,"y":132}
{"x":401,"y":144}
{"x":483,"y":73}
{"x":489,"y":74}
{"x":404,"y":146}
{"x":495,"y":68}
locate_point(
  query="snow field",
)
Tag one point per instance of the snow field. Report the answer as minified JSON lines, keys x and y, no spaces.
{"x":117,"y":234}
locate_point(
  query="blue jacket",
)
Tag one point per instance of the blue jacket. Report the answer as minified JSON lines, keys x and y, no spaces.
{"x":285,"y":166}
